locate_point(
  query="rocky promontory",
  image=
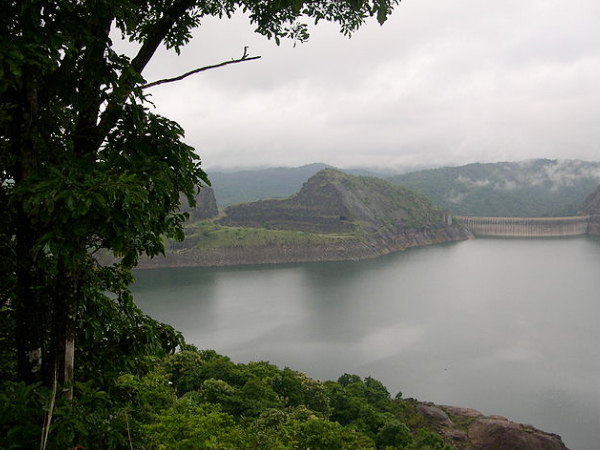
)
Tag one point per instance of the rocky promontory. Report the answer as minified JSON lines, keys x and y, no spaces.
{"x":591,"y":207}
{"x":469,"y":429}
{"x":334,"y":217}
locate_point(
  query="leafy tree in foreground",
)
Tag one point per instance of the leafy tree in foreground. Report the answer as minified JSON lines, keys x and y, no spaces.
{"x":85,"y":165}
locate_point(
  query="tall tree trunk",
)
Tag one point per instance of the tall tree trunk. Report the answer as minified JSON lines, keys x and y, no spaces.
{"x":29,"y":304}
{"x":64,"y":322}
{"x":30,"y":307}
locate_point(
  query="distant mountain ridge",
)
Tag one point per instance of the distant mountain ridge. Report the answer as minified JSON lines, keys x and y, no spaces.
{"x":534,"y":188}
{"x":250,"y":185}
{"x":260,"y":184}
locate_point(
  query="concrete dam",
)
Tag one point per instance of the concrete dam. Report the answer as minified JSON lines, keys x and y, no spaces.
{"x":526,"y":227}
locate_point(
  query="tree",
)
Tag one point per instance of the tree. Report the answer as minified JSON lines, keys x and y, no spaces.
{"x":85,"y":165}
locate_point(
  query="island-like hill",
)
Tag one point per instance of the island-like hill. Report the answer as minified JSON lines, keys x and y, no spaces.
{"x":334,"y":202}
{"x":533,"y":188}
{"x":335,"y":216}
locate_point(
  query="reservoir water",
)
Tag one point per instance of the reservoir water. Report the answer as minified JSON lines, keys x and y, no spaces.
{"x":509,"y":327}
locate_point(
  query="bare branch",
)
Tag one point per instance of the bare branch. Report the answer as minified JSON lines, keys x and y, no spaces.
{"x":244,"y":57}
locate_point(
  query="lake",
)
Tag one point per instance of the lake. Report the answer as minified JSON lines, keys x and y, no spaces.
{"x":508,"y":327}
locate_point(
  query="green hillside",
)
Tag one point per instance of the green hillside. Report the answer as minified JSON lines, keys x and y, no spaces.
{"x":541,"y":187}
{"x":334,"y":202}
{"x":331,"y":208}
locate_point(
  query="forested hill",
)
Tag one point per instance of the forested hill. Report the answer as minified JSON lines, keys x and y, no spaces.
{"x":540,"y":187}
{"x":335,"y":216}
{"x":332,"y":202}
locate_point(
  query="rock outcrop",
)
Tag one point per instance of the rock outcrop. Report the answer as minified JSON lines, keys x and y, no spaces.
{"x":591,"y":207}
{"x":206,"y":205}
{"x":469,"y":429}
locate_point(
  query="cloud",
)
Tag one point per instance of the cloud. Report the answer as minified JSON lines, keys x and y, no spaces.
{"x":440,"y":83}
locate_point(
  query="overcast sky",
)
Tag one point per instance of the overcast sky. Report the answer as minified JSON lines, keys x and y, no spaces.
{"x":441,"y":83}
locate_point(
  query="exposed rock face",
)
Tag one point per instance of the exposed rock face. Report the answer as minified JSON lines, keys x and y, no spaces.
{"x":206,"y":205}
{"x":334,"y":202}
{"x":591,"y":206}
{"x":498,"y":433}
{"x":469,"y":429}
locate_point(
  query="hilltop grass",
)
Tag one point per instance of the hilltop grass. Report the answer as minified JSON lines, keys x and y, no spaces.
{"x":207,"y":235}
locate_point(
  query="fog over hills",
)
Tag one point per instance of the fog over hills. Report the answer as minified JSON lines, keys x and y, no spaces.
{"x":539,"y":187}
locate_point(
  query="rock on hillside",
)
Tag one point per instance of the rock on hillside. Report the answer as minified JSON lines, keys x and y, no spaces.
{"x":591,"y":206}
{"x":334,"y":202}
{"x":469,"y":429}
{"x":206,"y":205}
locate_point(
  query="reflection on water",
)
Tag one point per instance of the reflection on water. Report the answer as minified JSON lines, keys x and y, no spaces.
{"x":505,"y":326}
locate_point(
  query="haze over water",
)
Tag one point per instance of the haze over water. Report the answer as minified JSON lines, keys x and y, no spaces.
{"x":509,"y":327}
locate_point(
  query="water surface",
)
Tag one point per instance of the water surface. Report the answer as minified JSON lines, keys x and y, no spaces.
{"x":509,"y":327}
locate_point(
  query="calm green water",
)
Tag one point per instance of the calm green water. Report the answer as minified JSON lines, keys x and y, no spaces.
{"x":509,"y":327}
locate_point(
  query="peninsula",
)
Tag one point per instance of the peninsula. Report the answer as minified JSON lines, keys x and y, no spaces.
{"x":334,"y":217}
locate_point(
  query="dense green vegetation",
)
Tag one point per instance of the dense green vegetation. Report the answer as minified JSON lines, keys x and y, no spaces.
{"x":201,"y":400}
{"x":536,"y":188}
{"x":85,"y":167}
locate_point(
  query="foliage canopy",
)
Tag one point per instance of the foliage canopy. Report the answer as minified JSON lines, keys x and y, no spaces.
{"x":86,"y":165}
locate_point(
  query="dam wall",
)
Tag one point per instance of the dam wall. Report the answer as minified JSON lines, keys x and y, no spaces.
{"x":526,"y":227}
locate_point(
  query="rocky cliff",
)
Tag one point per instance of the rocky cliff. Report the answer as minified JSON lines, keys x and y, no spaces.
{"x":334,"y":202}
{"x":469,"y":429}
{"x":591,"y":207}
{"x":205,"y":208}
{"x":334,"y":217}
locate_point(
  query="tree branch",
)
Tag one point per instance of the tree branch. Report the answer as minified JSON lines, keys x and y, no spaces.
{"x":126,"y":84}
{"x":244,"y":57}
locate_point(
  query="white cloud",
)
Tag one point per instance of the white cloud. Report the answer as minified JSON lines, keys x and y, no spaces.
{"x":440,"y":83}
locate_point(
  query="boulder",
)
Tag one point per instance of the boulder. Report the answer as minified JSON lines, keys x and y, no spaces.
{"x":498,"y":433}
{"x":469,"y":429}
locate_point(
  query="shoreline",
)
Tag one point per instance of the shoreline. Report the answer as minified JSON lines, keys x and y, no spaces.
{"x":290,"y":253}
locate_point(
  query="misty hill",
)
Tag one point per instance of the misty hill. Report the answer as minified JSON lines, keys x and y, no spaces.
{"x":334,"y":202}
{"x":540,"y":187}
